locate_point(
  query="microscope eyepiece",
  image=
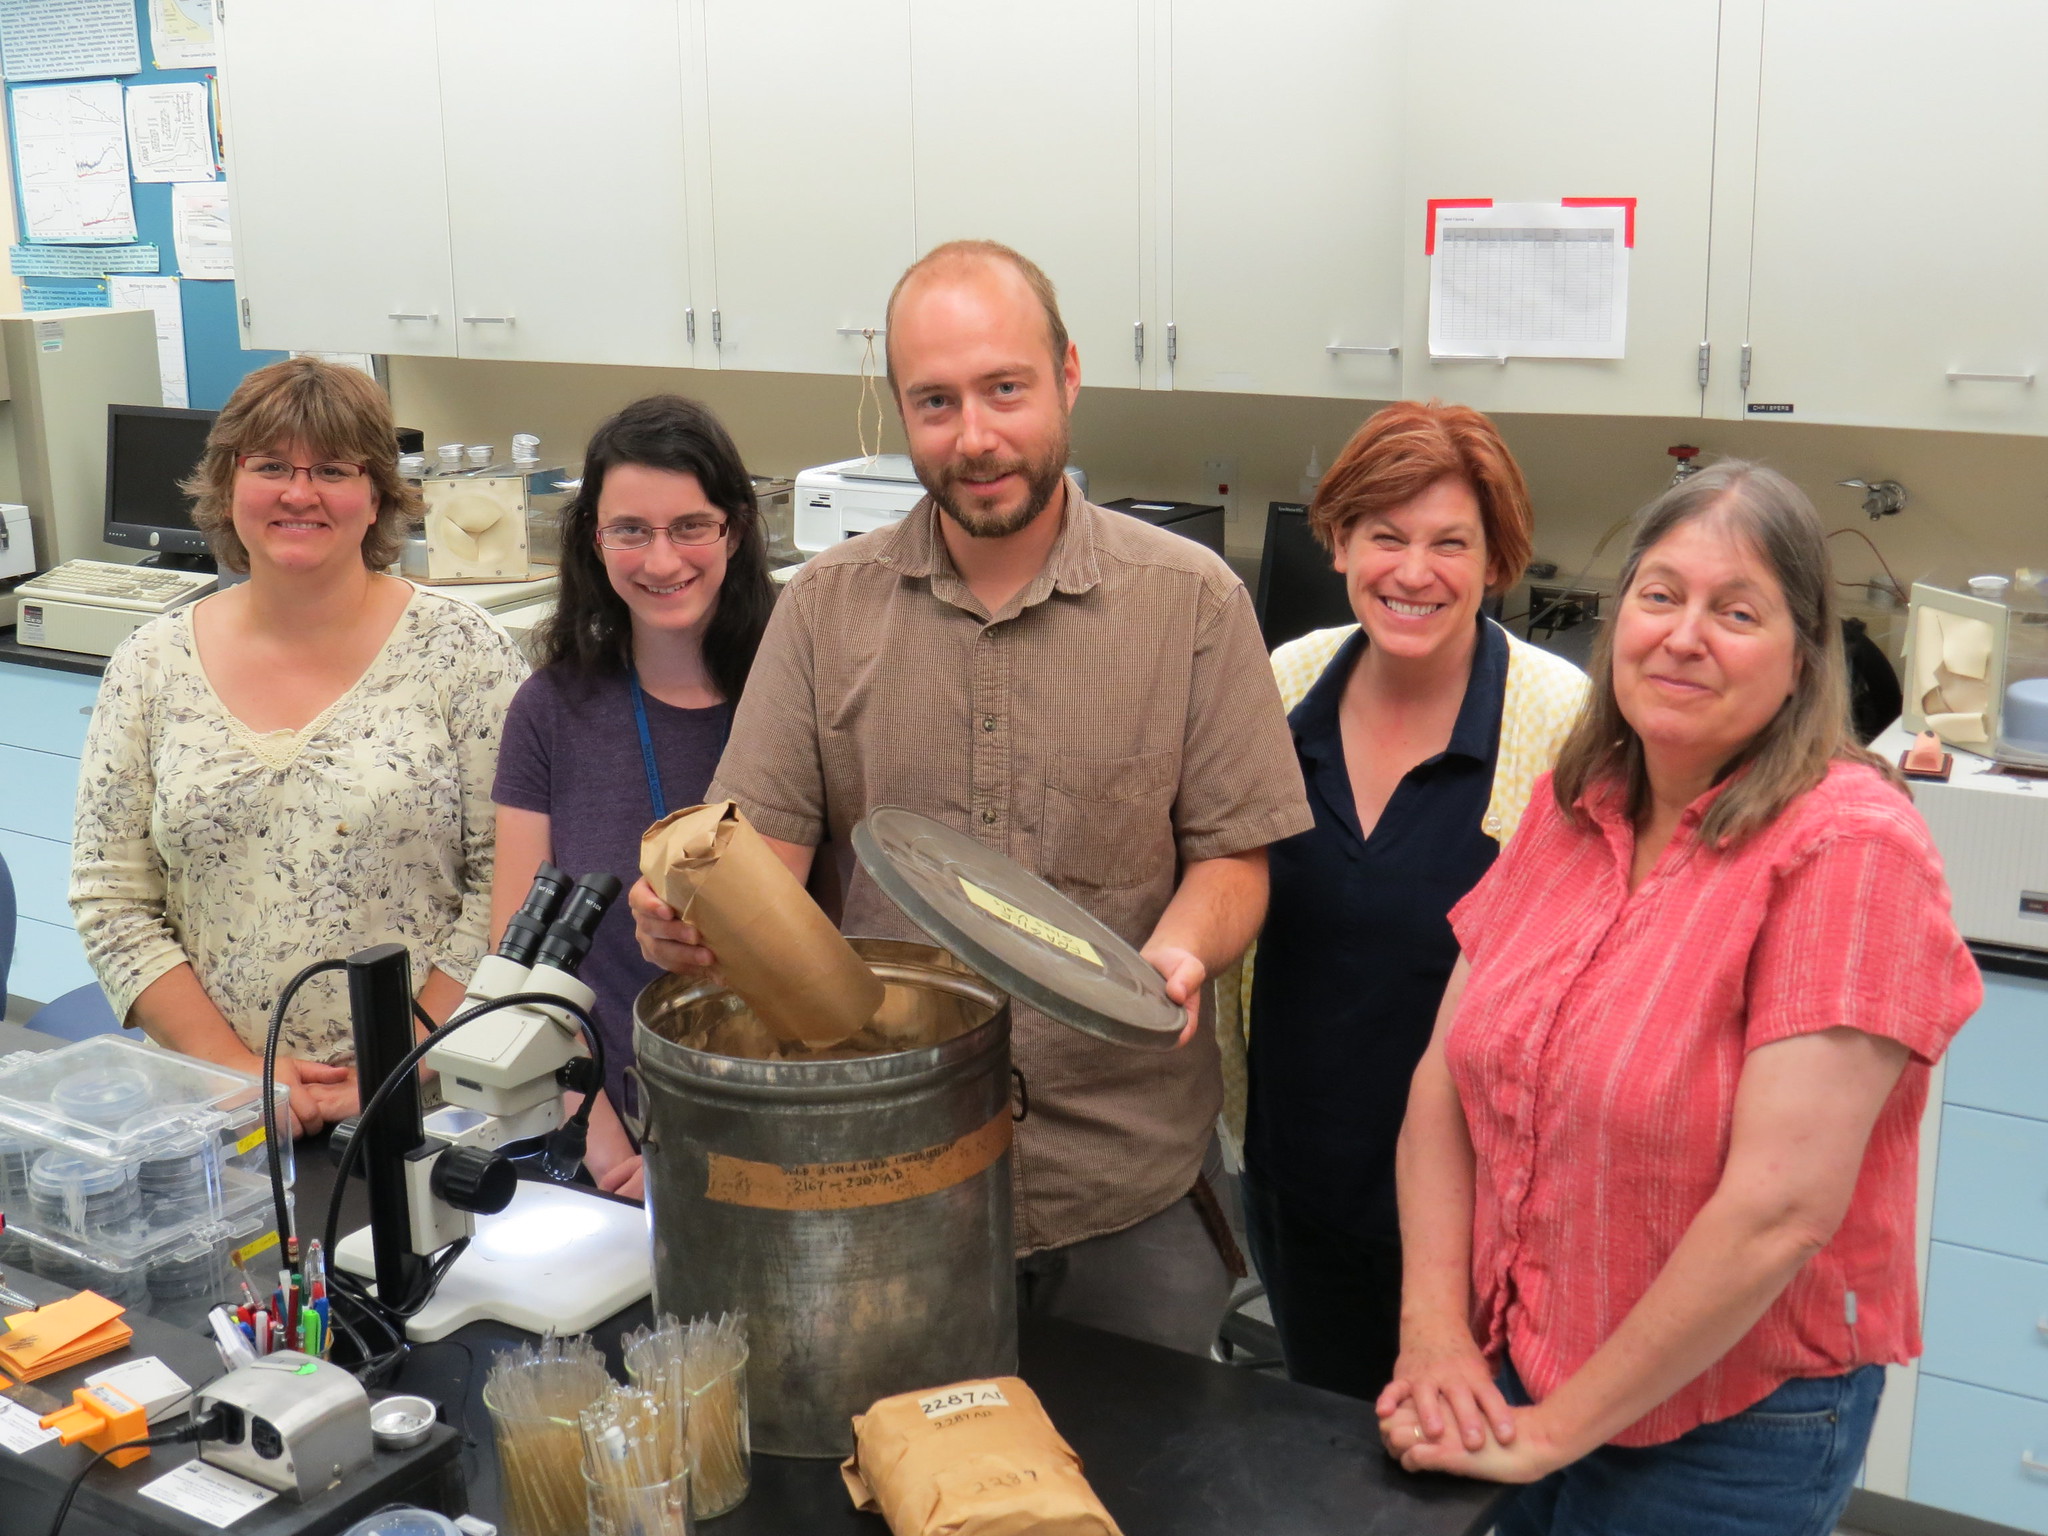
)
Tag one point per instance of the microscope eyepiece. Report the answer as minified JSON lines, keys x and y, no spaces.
{"x":528,"y":926}
{"x":569,"y":936}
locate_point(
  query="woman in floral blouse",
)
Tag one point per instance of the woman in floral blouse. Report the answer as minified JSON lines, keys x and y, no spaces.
{"x":296,"y":767}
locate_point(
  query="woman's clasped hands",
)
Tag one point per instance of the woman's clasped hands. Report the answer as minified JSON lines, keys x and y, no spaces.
{"x":1443,"y":1412}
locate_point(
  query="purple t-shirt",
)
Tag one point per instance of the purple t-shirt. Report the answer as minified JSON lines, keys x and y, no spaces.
{"x":572,"y":753}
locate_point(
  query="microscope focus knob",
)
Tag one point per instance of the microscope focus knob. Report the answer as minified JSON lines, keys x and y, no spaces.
{"x":474,"y":1179}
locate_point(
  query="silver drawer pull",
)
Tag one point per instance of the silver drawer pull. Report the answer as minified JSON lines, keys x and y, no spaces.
{"x":487,"y":319}
{"x":1338,"y":349}
{"x":869,"y":331}
{"x":1958,"y":376}
{"x":397,"y":314}
{"x":2027,"y":1461}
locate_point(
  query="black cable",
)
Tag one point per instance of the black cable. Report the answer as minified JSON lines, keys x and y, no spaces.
{"x":285,"y":1235}
{"x":198,"y":1429}
{"x":384,"y":1309}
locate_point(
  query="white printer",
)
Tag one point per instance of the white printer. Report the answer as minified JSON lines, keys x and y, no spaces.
{"x":837,"y":501}
{"x":1992,"y":830}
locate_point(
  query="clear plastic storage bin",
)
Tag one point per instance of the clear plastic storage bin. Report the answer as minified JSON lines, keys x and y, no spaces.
{"x":136,"y":1172}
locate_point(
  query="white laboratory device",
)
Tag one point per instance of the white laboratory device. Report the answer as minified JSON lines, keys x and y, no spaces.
{"x":1992,"y":829}
{"x":17,"y":541}
{"x":837,"y":501}
{"x":91,"y":606}
{"x":853,"y":496}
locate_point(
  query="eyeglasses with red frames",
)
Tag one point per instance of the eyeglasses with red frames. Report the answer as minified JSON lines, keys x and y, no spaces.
{"x":273,"y":470}
{"x":704,"y":529}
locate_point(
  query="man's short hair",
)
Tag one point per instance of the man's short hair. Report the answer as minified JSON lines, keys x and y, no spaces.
{"x":965,"y":253}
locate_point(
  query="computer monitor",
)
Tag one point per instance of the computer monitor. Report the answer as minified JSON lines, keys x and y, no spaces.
{"x":150,"y":448}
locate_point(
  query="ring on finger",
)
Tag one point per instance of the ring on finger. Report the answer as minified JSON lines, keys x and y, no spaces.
{"x":1418,"y":1433}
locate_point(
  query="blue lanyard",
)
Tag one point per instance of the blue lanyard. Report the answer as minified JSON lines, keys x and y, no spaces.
{"x":655,"y":797}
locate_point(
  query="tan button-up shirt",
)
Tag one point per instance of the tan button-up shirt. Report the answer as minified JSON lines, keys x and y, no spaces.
{"x":1116,"y":720}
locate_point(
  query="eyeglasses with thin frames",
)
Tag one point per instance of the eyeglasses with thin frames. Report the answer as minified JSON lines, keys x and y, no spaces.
{"x":684,"y":530}
{"x":276,"y":471}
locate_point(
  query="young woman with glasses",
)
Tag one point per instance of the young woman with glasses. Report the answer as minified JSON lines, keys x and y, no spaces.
{"x":295,"y":767}
{"x":665,"y":593}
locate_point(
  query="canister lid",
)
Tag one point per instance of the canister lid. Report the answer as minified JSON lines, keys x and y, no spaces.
{"x":1016,"y":931}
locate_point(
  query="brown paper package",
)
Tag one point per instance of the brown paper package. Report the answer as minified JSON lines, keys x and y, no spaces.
{"x":978,"y":1458}
{"x":775,"y":948}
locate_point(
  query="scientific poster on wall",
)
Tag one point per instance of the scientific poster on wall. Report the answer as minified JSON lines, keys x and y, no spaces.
{"x":170,"y":132}
{"x":67,"y":39}
{"x":181,"y":34}
{"x":71,"y":162}
{"x":199,"y":228}
{"x":160,"y":295}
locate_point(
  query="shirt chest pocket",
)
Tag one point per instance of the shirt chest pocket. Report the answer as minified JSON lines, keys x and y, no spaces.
{"x":1109,"y":820}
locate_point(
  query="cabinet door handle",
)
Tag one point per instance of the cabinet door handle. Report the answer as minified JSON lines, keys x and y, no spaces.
{"x":1138,"y":341}
{"x":2027,"y":1461}
{"x":863,"y":330}
{"x":690,"y":327}
{"x":400,"y":314}
{"x":1339,"y":349}
{"x":1958,"y":376}
{"x":488,"y":319}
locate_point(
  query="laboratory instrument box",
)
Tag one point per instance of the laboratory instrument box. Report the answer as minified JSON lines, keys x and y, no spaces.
{"x":1189,"y":519}
{"x":1976,"y":664}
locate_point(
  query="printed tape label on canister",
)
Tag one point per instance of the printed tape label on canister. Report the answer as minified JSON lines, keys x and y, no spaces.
{"x":849,"y":1186}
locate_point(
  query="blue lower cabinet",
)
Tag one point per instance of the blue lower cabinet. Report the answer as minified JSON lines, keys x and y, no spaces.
{"x":1991,"y":1183}
{"x":1987,"y":1320}
{"x":1980,"y":1453}
{"x":45,"y":711}
{"x":37,"y":790}
{"x":2000,"y":1060}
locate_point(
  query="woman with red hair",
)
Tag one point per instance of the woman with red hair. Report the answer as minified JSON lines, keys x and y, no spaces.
{"x":1420,"y":731}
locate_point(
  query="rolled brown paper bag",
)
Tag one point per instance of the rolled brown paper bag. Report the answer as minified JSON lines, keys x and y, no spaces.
{"x":979,"y":1458}
{"x":776,"y":949}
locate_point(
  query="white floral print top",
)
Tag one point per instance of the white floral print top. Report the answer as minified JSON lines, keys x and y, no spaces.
{"x":252,"y":855}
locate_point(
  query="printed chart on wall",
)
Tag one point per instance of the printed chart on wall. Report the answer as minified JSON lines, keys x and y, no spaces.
{"x":118,"y":176}
{"x":1529,"y":279}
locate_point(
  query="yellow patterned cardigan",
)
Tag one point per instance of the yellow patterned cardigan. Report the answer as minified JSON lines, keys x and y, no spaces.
{"x":1542,"y":699}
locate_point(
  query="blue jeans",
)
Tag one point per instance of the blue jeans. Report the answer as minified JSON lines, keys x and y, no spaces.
{"x":1781,"y":1468}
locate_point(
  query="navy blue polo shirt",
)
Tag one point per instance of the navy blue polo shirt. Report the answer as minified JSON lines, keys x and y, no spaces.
{"x":1357,"y":948}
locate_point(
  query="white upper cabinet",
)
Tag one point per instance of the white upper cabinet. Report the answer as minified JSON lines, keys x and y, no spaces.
{"x":563,"y":133}
{"x":333,"y":141}
{"x":1572,"y":98}
{"x":1901,"y":210}
{"x":1026,"y":130}
{"x":811,"y":185}
{"x":1286,"y":197}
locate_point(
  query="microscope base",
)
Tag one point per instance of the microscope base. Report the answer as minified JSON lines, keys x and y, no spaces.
{"x":557,"y":1258}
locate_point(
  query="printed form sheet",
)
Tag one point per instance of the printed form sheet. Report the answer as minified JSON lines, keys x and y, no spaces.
{"x":1529,"y":279}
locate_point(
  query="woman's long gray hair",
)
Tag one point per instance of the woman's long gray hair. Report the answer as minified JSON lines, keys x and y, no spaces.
{"x":1791,"y":754}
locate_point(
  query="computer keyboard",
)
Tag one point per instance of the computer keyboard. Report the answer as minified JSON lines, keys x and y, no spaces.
{"x":103,"y":583}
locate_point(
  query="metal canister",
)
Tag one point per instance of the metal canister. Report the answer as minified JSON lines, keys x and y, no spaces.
{"x":857,"y":1210}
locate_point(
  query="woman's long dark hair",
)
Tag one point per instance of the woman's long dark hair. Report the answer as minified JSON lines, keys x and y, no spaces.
{"x":591,"y":628}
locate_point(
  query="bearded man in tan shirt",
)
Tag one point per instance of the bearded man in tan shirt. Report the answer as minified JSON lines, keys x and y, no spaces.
{"x":1074,"y":688}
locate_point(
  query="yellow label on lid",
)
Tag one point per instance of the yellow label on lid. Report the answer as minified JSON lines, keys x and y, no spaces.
{"x":250,"y":1142}
{"x":248,"y":1251}
{"x":1024,"y":922}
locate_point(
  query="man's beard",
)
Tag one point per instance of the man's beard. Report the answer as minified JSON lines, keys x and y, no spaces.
{"x":1042,"y":476}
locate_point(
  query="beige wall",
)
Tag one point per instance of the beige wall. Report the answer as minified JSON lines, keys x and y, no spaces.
{"x":1977,"y":500}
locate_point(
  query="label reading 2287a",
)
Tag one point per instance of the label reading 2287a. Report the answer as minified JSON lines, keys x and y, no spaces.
{"x":973,"y":1394}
